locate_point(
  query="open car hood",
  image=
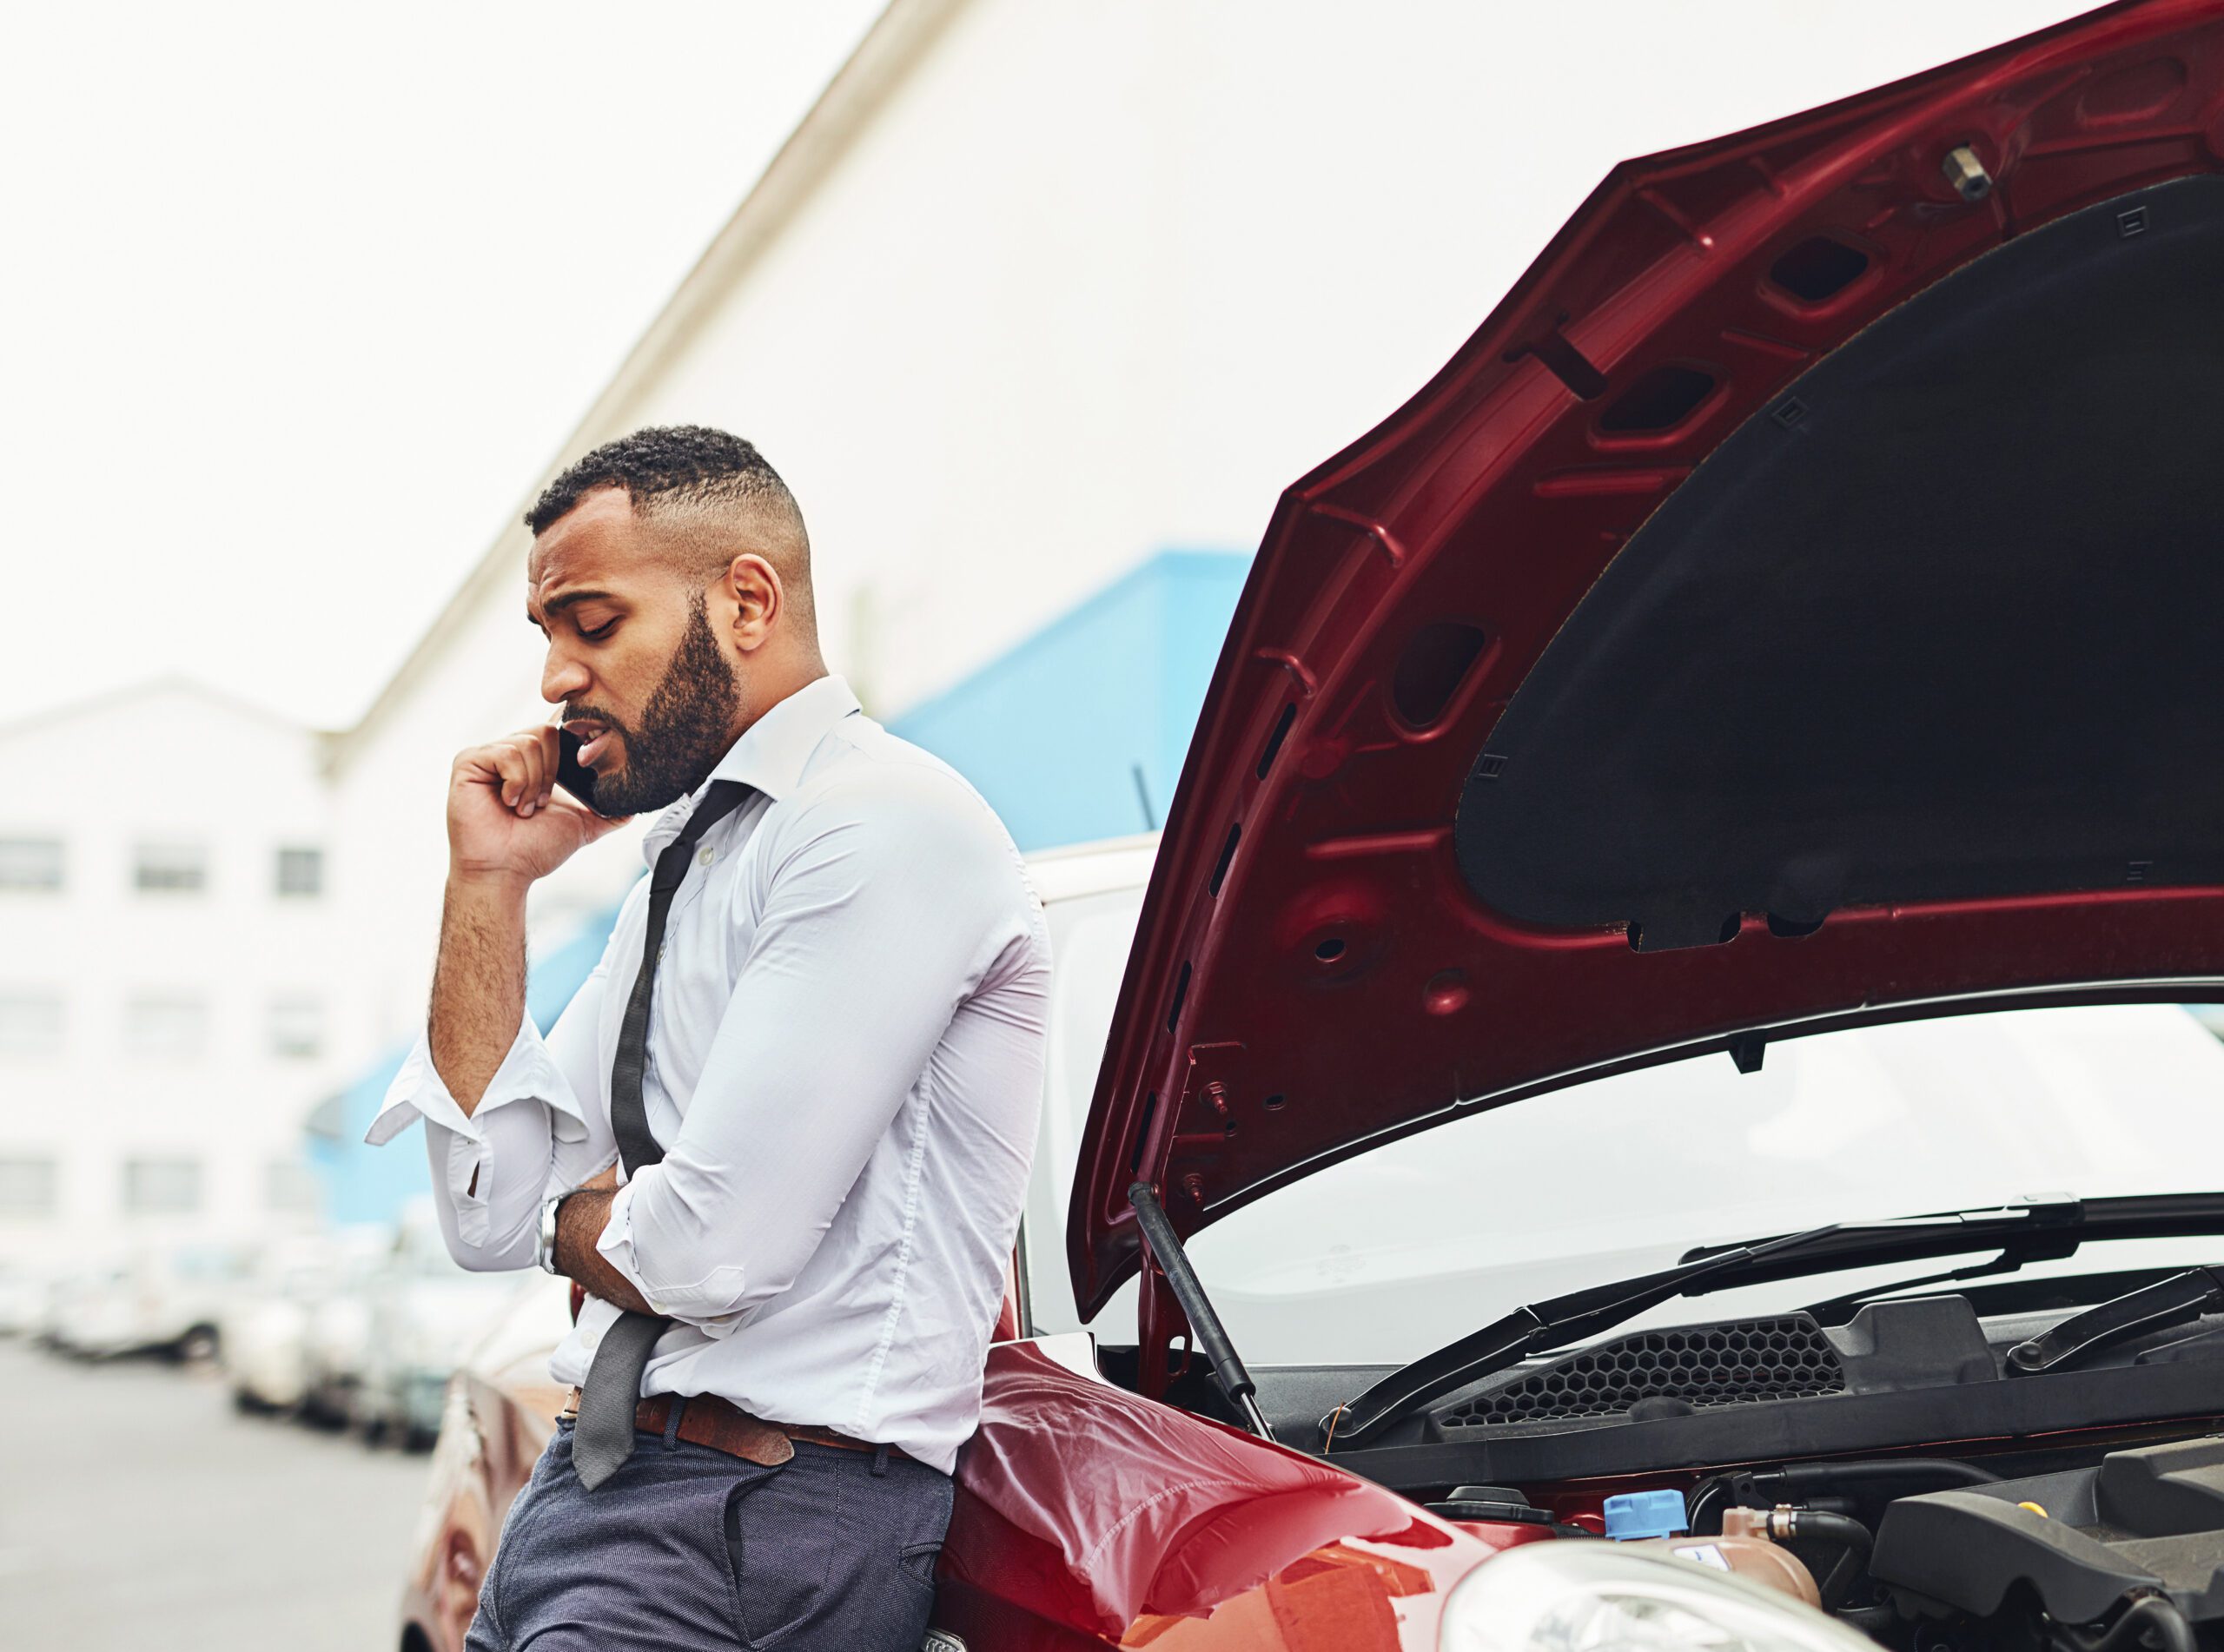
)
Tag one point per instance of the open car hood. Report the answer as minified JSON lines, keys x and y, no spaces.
{"x":1797,"y":605}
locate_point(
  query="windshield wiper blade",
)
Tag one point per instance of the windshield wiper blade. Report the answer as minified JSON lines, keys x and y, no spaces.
{"x":1573,"y":1318}
{"x":2173,"y":1301}
{"x":2041,"y":1229}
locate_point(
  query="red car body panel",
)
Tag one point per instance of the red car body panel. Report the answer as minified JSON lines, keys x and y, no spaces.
{"x":1312,"y":975}
{"x":1087,"y":1515}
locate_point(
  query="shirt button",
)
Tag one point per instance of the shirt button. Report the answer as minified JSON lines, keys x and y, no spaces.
{"x":656,"y":1307}
{"x":706,"y":855}
{"x":588,"y":1338}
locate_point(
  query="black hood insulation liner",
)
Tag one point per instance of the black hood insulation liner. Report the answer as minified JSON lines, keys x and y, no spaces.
{"x":1942,"y":623}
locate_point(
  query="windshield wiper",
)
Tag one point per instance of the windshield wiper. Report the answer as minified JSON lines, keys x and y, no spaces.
{"x":2044,"y":1229}
{"x":2173,"y":1301}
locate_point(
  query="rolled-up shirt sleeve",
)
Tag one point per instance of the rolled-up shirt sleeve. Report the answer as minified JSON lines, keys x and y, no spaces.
{"x":537,"y":1126}
{"x":880,"y":914}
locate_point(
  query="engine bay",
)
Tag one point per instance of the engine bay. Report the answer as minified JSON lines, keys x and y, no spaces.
{"x":2123,"y":1549}
{"x":1990,"y":1504}
{"x":1920,"y":1470}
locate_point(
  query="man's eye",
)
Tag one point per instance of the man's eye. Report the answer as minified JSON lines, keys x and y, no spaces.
{"x":600,"y":631}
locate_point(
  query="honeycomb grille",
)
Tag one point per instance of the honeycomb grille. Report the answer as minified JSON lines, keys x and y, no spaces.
{"x":1724,"y":1364}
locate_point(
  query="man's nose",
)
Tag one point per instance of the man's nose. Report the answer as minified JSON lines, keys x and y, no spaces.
{"x":562,"y":678}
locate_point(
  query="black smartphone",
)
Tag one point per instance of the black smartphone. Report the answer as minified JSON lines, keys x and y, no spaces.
{"x":572,"y":775}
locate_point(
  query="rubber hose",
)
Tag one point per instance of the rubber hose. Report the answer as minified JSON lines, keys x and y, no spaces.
{"x":1777,"y":1485}
{"x":1802,"y":1524}
{"x":1803,"y":1475}
{"x":2148,"y":1612}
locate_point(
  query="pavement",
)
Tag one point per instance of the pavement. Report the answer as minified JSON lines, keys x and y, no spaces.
{"x":138,"y":1509}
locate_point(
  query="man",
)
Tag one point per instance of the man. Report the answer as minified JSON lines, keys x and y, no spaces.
{"x":782,"y":1135}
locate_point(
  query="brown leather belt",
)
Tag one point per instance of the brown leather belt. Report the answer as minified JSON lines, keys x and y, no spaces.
{"x":726,"y":1427}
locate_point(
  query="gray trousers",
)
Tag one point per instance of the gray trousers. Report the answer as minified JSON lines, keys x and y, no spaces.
{"x":687,"y":1547}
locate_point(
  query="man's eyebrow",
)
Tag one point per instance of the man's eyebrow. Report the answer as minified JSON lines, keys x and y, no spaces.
{"x":556,"y":605}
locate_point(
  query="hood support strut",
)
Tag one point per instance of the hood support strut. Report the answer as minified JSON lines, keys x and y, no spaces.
{"x":1204,"y":1323}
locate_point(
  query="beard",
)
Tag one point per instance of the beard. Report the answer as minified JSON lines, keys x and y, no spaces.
{"x":684,"y":729}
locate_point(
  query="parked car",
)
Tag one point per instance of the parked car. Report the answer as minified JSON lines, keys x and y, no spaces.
{"x":337,"y":1336}
{"x":499,"y":1411}
{"x":22,"y":1299}
{"x":151,"y":1297}
{"x":426,"y":1314}
{"x":263,"y":1329}
{"x":1719,"y":797}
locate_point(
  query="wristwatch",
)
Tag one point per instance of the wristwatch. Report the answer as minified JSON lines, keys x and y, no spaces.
{"x":546,"y":1253}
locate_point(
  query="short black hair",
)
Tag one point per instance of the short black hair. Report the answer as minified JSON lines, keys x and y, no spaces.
{"x":669,"y":464}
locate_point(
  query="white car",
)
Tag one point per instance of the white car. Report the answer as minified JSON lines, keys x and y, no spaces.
{"x":263,"y":1330}
{"x":425,"y":1315}
{"x":22,"y":1299}
{"x":164,"y":1300}
{"x":336,"y":1339}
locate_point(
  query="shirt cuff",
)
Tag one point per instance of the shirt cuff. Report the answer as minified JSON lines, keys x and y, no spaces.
{"x":702,"y":1304}
{"x":528,"y":1073}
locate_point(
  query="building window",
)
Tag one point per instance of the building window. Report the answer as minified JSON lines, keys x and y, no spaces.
{"x":162,"y":1187}
{"x":169,"y":1026}
{"x":171,"y":868}
{"x":290,"y":1186}
{"x":33,"y":864}
{"x":296,"y":1027}
{"x":301,"y":871}
{"x":28,"y":1186}
{"x":31,"y":1024}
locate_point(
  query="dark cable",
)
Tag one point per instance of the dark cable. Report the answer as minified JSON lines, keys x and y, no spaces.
{"x":2148,"y":1612}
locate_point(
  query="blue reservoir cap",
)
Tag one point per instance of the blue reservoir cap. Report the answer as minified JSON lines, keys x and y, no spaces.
{"x":1646,"y":1514}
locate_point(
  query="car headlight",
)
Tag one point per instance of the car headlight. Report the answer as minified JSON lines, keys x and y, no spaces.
{"x":1569,"y":1596}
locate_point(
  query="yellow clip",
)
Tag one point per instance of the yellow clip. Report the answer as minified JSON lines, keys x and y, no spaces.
{"x":2034,"y":1508}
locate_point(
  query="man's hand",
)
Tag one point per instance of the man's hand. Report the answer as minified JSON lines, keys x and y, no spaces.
{"x":580,"y":1221}
{"x":506,"y":828}
{"x":505,"y":824}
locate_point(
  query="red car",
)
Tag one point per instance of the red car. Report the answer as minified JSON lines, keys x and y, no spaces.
{"x":1758,"y":710}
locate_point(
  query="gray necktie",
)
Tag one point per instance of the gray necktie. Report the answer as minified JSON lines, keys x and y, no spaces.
{"x":603,"y":1438}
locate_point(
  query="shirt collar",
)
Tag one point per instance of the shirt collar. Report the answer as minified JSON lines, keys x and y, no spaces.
{"x":769,"y":757}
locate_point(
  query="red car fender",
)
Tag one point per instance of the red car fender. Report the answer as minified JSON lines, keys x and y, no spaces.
{"x":1087,"y":1515}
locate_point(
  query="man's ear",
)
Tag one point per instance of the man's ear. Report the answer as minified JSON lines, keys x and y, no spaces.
{"x":754,"y":588}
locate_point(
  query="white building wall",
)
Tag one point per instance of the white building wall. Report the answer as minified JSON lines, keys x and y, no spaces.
{"x":1084,"y":287}
{"x":1089,"y":280}
{"x":171,"y":763}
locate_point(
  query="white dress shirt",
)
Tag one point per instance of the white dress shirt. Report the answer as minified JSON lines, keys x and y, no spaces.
{"x":844,"y":1066}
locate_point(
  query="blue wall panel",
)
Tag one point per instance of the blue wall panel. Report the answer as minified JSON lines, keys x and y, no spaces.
{"x":1055,"y":732}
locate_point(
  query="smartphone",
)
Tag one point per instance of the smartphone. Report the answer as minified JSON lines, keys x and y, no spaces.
{"x":572,"y":775}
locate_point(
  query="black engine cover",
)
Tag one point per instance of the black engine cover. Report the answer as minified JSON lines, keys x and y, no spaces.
{"x":2151,"y":1519}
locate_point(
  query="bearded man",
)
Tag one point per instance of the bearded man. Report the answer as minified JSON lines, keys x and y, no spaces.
{"x":781,"y":1136}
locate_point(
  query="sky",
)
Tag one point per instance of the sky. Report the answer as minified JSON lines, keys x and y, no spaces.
{"x":299,"y":301}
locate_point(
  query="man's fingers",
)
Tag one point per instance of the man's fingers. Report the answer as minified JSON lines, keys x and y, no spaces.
{"x":521,"y":768}
{"x":535,"y":787}
{"x":518,"y":768}
{"x":508,"y":764}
